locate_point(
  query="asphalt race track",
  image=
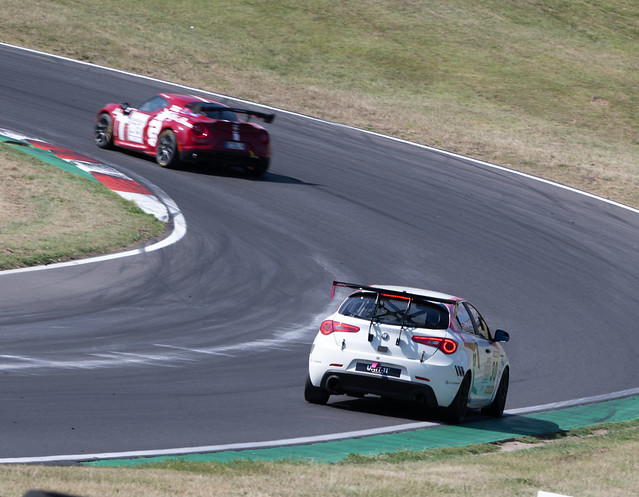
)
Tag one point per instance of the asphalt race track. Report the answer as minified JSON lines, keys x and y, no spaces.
{"x":205,"y":342}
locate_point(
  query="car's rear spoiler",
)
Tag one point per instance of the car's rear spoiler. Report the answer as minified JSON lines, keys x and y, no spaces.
{"x":267,"y":118}
{"x":390,"y":292}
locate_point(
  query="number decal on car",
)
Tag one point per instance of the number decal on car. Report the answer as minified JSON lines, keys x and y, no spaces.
{"x":157,"y":124}
{"x":153,"y":131}
{"x":493,"y":374}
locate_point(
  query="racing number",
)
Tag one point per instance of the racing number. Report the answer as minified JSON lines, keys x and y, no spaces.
{"x":153,"y":131}
{"x":476,"y":358}
{"x":493,"y":375}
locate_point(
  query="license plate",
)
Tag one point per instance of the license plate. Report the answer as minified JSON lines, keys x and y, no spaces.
{"x":377,"y":368}
{"x":235,"y":145}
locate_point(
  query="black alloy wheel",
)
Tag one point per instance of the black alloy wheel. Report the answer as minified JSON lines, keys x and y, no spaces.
{"x":166,"y":152}
{"x":103,"y":133}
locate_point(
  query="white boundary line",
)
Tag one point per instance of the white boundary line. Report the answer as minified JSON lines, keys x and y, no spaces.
{"x":179,"y":230}
{"x":300,"y":440}
{"x":180,"y":223}
{"x":179,"y":234}
{"x":372,"y":133}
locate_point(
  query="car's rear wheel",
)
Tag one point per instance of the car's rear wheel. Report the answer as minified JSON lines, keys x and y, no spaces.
{"x":315,"y":395}
{"x":103,"y":132}
{"x":496,"y":409}
{"x":166,"y":154}
{"x":456,"y":412}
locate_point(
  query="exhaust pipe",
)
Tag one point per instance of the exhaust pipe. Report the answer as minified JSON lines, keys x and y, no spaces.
{"x":419,"y":397}
{"x":334,"y":385}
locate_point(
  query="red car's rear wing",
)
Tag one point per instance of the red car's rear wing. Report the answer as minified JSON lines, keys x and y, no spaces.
{"x":390,"y":292}
{"x":267,"y":118}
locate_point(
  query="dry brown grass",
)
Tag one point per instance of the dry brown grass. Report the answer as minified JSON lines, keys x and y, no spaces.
{"x":548,"y":88}
{"x":48,"y":215}
{"x":600,"y":463}
{"x":545,"y":87}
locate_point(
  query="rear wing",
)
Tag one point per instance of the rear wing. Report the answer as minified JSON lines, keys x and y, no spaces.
{"x":267,"y":118}
{"x":390,"y":292}
{"x":403,"y":316}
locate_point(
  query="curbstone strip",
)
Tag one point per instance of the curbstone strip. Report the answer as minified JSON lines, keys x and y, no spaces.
{"x":90,"y":168}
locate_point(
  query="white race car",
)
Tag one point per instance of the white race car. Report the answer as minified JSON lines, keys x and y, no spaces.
{"x":408,"y":343}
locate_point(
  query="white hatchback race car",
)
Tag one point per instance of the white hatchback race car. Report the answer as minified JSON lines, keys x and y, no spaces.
{"x":413,"y":344}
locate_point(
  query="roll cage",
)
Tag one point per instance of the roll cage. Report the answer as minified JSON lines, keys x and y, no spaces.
{"x":396,"y":308}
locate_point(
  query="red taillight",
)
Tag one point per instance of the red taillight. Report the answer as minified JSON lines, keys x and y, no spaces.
{"x":446,"y":345}
{"x":264,"y":138}
{"x":329,"y":326}
{"x":198,"y":129}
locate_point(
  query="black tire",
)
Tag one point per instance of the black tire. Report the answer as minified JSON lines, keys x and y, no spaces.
{"x":166,"y":153}
{"x":103,"y":131}
{"x":315,"y":395}
{"x":456,"y":412}
{"x":496,"y":409}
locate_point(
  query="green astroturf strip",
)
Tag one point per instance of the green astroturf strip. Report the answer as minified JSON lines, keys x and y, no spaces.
{"x":45,"y":155}
{"x":477,"y":432}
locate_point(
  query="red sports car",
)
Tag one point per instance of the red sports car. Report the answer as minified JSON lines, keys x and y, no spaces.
{"x":176,"y":128}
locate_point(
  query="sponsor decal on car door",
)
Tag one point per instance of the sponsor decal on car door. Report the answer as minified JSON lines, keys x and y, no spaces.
{"x":136,"y":125}
{"x":487,"y":358}
{"x":486,"y":372}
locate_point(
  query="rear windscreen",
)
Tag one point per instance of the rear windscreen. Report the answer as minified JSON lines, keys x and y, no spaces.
{"x":397,"y":311}
{"x":222,"y":115}
{"x":212,"y":111}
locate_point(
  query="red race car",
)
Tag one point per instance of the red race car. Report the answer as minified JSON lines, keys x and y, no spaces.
{"x":176,"y":128}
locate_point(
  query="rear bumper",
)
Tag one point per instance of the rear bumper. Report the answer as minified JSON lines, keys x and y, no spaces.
{"x":207,"y":155}
{"x":353,"y":384}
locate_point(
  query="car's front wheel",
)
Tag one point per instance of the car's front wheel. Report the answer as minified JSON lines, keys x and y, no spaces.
{"x":315,"y":395}
{"x":496,"y":409}
{"x":103,"y":132}
{"x":166,"y":154}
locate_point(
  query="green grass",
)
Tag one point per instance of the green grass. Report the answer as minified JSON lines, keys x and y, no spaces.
{"x":599,"y":461}
{"x":546,"y":87}
{"x":48,"y":215}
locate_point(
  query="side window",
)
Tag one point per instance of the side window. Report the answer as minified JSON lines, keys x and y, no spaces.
{"x":153,"y":105}
{"x":482,"y":327}
{"x":464,"y":320}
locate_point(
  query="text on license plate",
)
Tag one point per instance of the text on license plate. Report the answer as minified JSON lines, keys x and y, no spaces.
{"x":377,"y":368}
{"x":235,"y":145}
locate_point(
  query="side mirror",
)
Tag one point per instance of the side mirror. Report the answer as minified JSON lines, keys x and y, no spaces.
{"x":501,"y":336}
{"x":125,"y":107}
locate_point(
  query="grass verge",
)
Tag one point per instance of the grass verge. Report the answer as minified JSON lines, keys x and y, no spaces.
{"x":547,"y":87}
{"x":600,"y":461}
{"x":48,"y":215}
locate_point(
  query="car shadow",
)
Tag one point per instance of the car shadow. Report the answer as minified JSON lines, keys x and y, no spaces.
{"x":507,"y":427}
{"x":211,"y":169}
{"x":230,"y":172}
{"x":390,"y":408}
